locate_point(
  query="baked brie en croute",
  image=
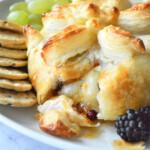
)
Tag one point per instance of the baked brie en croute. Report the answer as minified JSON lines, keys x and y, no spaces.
{"x":88,"y":58}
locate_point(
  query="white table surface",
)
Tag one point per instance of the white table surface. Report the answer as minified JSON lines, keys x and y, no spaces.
{"x":12,"y":140}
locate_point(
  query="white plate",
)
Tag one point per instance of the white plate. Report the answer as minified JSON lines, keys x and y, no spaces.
{"x":22,"y":120}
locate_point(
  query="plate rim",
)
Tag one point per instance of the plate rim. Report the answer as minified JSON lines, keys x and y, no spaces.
{"x":51,"y":141}
{"x":48,"y":140}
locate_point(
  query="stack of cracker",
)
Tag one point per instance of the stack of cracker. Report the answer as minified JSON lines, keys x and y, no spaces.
{"x":15,"y":88}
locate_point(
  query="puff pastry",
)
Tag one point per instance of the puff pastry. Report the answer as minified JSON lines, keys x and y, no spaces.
{"x":78,"y":14}
{"x":136,"y":19}
{"x":118,"y":45}
{"x":58,"y":125}
{"x":64,"y":103}
{"x":54,"y":61}
{"x":124,"y":87}
{"x":65,"y":118}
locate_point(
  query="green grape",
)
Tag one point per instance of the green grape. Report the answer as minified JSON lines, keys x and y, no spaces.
{"x":19,"y":6}
{"x":35,"y":19}
{"x":54,"y":6}
{"x":37,"y":26}
{"x":40,"y":6}
{"x":61,"y":2}
{"x":18,"y":17}
{"x":27,"y":1}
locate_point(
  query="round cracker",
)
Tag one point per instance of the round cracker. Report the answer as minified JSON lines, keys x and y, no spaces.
{"x":8,"y":62}
{"x":14,"y":54}
{"x":17,"y":99}
{"x":13,"y":46}
{"x":16,"y":85}
{"x":9,"y":37}
{"x":14,"y":74}
{"x":11,"y":26}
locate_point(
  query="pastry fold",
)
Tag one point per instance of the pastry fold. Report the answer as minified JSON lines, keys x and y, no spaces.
{"x":118,"y":45}
{"x":78,"y":14}
{"x":61,"y":59}
{"x":136,"y":19}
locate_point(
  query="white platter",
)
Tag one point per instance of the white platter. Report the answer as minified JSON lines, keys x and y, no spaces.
{"x":22,"y":120}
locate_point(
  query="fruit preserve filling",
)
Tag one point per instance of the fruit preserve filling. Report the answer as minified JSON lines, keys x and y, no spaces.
{"x":81,"y":108}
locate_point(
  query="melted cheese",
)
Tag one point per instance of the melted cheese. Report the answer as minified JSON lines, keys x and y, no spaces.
{"x":85,"y":90}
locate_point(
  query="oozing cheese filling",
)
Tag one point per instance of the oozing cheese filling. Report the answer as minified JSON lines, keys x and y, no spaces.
{"x":85,"y":90}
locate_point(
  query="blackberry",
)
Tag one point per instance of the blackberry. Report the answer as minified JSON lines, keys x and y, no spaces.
{"x":146,"y":112}
{"x":146,"y":115}
{"x":134,"y":125}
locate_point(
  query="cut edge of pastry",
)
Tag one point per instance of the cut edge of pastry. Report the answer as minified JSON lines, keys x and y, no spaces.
{"x":56,"y":123}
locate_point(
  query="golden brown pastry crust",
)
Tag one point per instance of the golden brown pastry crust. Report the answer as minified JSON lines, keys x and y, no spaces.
{"x":32,"y":37}
{"x":118,"y":45}
{"x":65,"y":104}
{"x":60,"y":126}
{"x":116,"y":35}
{"x":56,"y":50}
{"x":124,"y":87}
{"x":51,"y":59}
{"x":136,"y":19}
{"x":78,"y":14}
{"x":58,"y":117}
{"x":54,"y":60}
